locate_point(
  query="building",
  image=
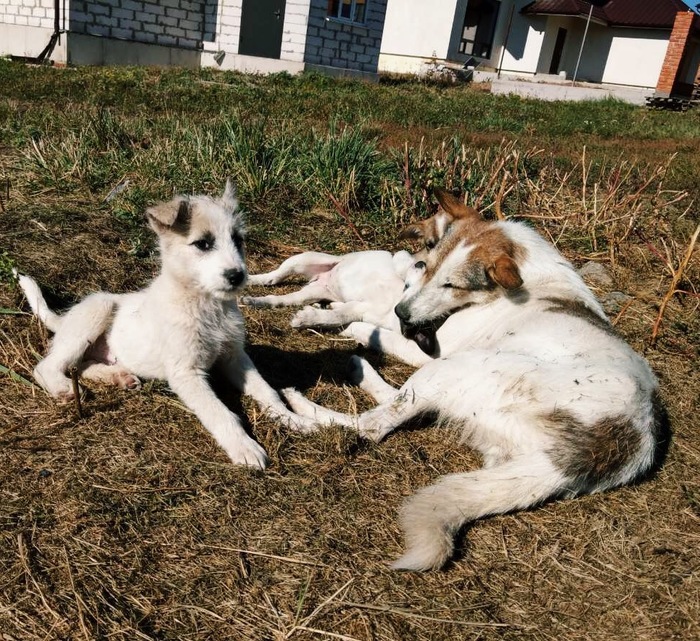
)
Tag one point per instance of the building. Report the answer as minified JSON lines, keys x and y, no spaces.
{"x":651,"y":44}
{"x":336,"y":36}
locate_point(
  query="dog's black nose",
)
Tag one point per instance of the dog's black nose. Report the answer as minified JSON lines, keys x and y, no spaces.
{"x":234,"y":276}
{"x":402,"y":312}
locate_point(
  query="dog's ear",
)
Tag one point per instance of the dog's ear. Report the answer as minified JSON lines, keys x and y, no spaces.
{"x":505,"y":272}
{"x":228,"y":198}
{"x":412,"y":231}
{"x":454,"y":206}
{"x":175,"y":215}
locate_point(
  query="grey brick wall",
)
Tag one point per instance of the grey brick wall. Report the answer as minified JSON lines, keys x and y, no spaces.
{"x":177,"y":23}
{"x":345,"y":45}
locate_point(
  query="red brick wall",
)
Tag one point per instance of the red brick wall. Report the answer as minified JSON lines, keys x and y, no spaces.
{"x":674,"y":54}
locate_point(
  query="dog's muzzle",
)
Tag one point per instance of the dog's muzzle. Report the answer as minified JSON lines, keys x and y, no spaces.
{"x":423,"y":335}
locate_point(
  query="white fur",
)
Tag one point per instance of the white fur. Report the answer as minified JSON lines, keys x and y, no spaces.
{"x":362,"y":289}
{"x":178,"y":328}
{"x":529,"y":386}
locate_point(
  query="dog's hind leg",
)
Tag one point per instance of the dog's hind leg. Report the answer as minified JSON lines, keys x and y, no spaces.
{"x":80,"y":328}
{"x":308,"y":264}
{"x":311,"y":293}
{"x":110,"y":374}
{"x":432,"y":517}
{"x":362,"y":374}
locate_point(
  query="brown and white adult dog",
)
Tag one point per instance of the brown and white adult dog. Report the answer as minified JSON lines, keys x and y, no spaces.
{"x":530,"y":372}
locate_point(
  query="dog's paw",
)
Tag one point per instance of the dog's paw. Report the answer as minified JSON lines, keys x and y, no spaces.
{"x":360,"y":332}
{"x":307,"y":317}
{"x":355,"y":370}
{"x":127,"y":381}
{"x":299,"y":403}
{"x":259,"y":302}
{"x":249,"y":453}
{"x":262,"y":279}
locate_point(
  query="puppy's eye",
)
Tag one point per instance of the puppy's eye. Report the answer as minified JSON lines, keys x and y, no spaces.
{"x":449,"y":286}
{"x":430,"y":244}
{"x":204,"y":244}
{"x":238,"y":240}
{"x":419,"y":265}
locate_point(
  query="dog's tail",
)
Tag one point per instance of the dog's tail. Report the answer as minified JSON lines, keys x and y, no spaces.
{"x":433,"y":516}
{"x":36,"y":301}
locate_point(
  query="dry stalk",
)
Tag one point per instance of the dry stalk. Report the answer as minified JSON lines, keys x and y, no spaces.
{"x":408,"y":613}
{"x":346,"y":217}
{"x":673,"y":288}
{"x":303,"y":624}
{"x":76,"y":391}
{"x":80,"y":604}
{"x":22,"y":549}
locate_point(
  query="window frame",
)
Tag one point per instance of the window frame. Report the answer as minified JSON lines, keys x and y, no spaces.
{"x":336,"y":17}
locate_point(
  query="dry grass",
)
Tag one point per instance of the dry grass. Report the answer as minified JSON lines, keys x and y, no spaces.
{"x":129,"y":523}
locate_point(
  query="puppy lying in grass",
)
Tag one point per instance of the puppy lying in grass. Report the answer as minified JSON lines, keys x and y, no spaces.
{"x":178,"y":328}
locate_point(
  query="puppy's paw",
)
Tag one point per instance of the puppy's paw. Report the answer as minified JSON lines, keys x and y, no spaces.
{"x":259,"y":302}
{"x":56,"y":384}
{"x":307,"y":317}
{"x":249,"y":453}
{"x":126,"y":380}
{"x":299,"y":403}
{"x":262,"y":279}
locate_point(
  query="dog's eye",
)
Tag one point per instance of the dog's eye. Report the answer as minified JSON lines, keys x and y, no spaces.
{"x":449,"y":285}
{"x":238,"y":240}
{"x":204,"y":244}
{"x":430,"y":244}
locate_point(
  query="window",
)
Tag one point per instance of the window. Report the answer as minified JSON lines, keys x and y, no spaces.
{"x":347,"y":10}
{"x":479,"y":26}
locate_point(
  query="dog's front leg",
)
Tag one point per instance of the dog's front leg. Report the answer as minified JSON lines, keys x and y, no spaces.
{"x":193,"y":389}
{"x":241,"y":371}
{"x":388,"y":342}
{"x":374,"y":424}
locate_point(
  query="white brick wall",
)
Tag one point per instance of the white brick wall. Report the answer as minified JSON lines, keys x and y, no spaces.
{"x":178,"y":23}
{"x":35,"y":13}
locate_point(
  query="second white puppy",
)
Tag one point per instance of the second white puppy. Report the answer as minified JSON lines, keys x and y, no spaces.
{"x":178,"y":328}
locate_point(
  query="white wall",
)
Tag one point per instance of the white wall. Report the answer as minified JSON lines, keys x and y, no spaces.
{"x":415,"y":30}
{"x":636,"y":57}
{"x":26,"y":27}
{"x":296,"y":15}
{"x":524,"y":44}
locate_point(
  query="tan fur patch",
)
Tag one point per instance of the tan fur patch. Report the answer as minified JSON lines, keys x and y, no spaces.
{"x":591,"y":453}
{"x":578,"y":309}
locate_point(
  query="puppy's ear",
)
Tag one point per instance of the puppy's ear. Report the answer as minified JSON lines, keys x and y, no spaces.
{"x":175,"y":215}
{"x":505,"y":272}
{"x":454,"y":206}
{"x":228,"y":198}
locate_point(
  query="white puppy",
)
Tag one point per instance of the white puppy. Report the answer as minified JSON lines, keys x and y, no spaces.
{"x":361,"y":286}
{"x":535,"y":379}
{"x":362,"y":289}
{"x":178,"y":328}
